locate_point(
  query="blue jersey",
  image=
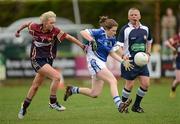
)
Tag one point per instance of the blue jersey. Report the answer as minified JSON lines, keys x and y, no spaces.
{"x":104,"y":43}
{"x":134,"y":39}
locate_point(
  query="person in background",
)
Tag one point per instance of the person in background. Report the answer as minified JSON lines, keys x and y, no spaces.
{"x":174,"y":44}
{"x":103,"y":43}
{"x":46,"y":37}
{"x":168,"y":27}
{"x":135,"y":37}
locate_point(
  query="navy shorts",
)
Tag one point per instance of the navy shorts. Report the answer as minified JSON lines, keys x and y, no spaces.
{"x":135,"y":72}
{"x":40,"y":62}
{"x":178,"y":62}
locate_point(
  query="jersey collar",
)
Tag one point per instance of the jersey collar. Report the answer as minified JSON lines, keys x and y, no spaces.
{"x":130,"y":25}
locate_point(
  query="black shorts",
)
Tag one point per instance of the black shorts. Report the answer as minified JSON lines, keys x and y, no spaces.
{"x":40,"y":62}
{"x":135,"y":72}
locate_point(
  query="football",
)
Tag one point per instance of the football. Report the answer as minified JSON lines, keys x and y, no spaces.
{"x":141,"y":59}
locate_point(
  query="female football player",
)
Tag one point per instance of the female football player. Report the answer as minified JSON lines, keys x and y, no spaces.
{"x":173,"y":43}
{"x":43,"y":51}
{"x":103,"y":43}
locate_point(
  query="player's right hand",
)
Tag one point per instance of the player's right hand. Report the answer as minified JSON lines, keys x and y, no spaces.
{"x":127,"y":64}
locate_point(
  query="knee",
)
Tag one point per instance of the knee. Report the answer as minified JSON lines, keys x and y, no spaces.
{"x":56,"y":77}
{"x":94,"y":94}
{"x":113,"y":82}
{"x":145,"y":86}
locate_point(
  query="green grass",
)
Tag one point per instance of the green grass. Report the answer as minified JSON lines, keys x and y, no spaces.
{"x":159,"y":108}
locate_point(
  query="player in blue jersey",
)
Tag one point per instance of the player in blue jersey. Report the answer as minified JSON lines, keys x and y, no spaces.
{"x":103,"y":43}
{"x":135,"y":37}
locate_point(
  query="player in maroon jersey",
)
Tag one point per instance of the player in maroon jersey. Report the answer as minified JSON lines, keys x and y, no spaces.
{"x":43,"y":51}
{"x":174,"y":44}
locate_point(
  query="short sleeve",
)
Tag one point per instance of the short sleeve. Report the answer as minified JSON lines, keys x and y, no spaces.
{"x":94,"y":32}
{"x":149,"y":37}
{"x":60,"y":34}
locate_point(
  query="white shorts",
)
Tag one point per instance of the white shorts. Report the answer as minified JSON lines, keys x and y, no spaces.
{"x":94,"y":63}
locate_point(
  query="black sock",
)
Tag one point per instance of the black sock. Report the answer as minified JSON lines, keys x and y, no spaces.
{"x":173,"y":88}
{"x":53,"y":99}
{"x":141,"y":92}
{"x":26,"y":103}
{"x":137,"y":101}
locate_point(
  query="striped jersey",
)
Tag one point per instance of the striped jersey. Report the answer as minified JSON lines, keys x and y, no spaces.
{"x":134,"y":39}
{"x":44,"y":45}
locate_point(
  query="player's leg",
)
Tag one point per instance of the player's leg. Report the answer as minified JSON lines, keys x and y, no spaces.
{"x":54,"y":75}
{"x":107,"y":76}
{"x":142,"y":90}
{"x":32,"y":91}
{"x":175,"y":84}
{"x":93,"y":92}
{"x":126,"y":91}
{"x":95,"y":65}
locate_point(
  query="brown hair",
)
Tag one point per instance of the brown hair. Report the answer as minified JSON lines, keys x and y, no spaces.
{"x":107,"y":23}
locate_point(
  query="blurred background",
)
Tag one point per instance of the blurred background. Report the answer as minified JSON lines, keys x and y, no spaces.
{"x":76,"y":15}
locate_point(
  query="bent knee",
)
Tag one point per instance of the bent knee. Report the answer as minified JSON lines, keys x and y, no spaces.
{"x":94,"y":94}
{"x":56,"y":77}
{"x":145,"y":86}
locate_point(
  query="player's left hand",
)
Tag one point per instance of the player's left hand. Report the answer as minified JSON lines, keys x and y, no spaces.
{"x":127,"y":64}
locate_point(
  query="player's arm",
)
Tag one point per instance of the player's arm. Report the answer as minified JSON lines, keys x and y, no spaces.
{"x":87,"y":35}
{"x":89,"y":38}
{"x":114,"y":55}
{"x":148,"y":48}
{"x":126,"y":62}
{"x":62,"y":35}
{"x":149,"y":41}
{"x":25,"y":25}
{"x":169,"y":42}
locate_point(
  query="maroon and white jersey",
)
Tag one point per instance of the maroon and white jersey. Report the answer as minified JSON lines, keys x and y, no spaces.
{"x":44,"y":45}
{"x":175,"y":42}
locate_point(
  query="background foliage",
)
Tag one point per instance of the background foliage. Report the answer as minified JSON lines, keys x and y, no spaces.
{"x":90,"y":10}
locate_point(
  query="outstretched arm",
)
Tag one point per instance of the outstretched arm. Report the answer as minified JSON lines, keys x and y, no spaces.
{"x":168,"y":44}
{"x":21,"y":28}
{"x":89,"y":38}
{"x":115,"y":56}
{"x":126,"y":62}
{"x":86,"y":35}
{"x":62,"y":35}
{"x":74,"y":40}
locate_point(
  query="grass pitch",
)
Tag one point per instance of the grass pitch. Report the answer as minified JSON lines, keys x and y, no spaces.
{"x":159,"y":108}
